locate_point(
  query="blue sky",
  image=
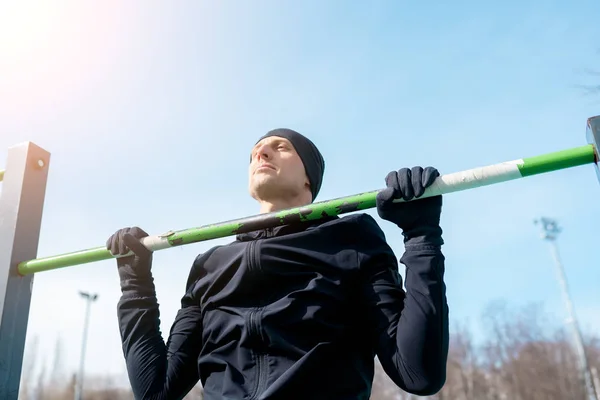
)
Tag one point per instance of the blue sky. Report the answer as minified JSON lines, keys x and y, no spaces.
{"x":150,"y":110}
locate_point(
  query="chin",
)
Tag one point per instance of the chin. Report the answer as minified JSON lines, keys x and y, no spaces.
{"x":267,"y":190}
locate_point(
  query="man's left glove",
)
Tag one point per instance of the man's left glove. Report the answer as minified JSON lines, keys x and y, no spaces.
{"x":418,"y":218}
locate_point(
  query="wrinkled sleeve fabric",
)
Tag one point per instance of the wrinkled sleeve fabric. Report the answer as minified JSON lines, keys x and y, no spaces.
{"x":410,"y":328}
{"x":157,"y":370}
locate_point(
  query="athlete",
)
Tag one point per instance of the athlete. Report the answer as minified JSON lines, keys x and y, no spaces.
{"x":298,"y":311}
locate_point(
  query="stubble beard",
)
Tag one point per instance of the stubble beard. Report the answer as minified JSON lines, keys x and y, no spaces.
{"x":272,"y":189}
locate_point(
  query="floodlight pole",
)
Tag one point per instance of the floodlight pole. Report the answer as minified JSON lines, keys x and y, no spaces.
{"x":79,"y":385}
{"x":550,"y":231}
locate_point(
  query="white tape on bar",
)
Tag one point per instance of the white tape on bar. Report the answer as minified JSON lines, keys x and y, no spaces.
{"x":159,"y":242}
{"x":473,"y":178}
{"x":152,"y":243}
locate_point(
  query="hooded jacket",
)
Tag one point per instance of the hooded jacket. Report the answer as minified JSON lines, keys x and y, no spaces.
{"x":294,"y":312}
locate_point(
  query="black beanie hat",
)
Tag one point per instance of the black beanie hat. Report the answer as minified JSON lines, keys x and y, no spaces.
{"x":313,"y":161}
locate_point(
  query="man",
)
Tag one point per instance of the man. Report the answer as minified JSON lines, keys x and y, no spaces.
{"x":299,"y":311}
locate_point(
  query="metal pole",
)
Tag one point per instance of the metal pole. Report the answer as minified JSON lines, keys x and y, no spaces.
{"x":550,"y":231}
{"x":21,"y":207}
{"x":89,"y":299}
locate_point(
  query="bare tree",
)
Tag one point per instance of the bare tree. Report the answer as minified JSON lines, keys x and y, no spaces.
{"x":465,"y":379}
{"x":57,"y":364}
{"x":595,"y":87}
{"x":383,"y":387}
{"x":197,"y":393}
{"x":41,"y":385}
{"x":28,"y":368}
{"x":526,"y":358}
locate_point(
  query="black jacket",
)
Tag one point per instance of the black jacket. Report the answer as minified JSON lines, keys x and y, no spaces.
{"x":295,"y":312}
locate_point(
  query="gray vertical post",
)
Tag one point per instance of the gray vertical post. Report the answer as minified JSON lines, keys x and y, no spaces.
{"x":79,"y":384}
{"x":21,"y":206}
{"x":550,"y":231}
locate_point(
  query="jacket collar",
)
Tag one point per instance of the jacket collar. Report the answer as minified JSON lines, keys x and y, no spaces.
{"x":282,"y":230}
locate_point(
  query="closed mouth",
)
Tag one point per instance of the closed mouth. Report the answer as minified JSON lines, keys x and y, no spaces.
{"x":264,"y":166}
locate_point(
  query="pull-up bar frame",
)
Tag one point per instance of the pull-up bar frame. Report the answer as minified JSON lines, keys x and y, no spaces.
{"x":22,"y":199}
{"x":21,"y":205}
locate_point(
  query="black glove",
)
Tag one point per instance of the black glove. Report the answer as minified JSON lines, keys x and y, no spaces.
{"x":419,"y":218}
{"x":137,"y":265}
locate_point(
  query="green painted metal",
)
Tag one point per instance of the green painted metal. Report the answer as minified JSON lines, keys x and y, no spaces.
{"x":214,"y":231}
{"x":357,"y":202}
{"x":64,"y":260}
{"x":557,"y":160}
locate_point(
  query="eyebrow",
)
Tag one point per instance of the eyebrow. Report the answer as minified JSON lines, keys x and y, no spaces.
{"x":274,"y":141}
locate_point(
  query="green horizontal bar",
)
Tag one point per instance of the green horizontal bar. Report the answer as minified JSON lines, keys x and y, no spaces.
{"x":214,"y":231}
{"x":357,"y":202}
{"x":558,"y":160}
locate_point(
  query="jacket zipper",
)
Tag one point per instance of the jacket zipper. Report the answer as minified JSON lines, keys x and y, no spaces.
{"x":261,"y":359}
{"x":252,"y":264}
{"x":254,"y":326}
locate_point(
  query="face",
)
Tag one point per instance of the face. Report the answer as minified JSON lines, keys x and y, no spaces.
{"x":276,"y":171}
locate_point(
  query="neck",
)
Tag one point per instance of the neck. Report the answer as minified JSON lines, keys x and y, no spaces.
{"x":282,"y":204}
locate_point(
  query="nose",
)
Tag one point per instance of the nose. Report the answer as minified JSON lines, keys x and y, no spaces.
{"x":263,"y":152}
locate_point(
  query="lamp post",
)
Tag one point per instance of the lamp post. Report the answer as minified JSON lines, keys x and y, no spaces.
{"x":90,"y":298}
{"x":550,"y":231}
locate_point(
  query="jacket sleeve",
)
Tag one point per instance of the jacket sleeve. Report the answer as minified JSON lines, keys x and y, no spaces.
{"x":410,"y":329}
{"x":157,"y":370}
